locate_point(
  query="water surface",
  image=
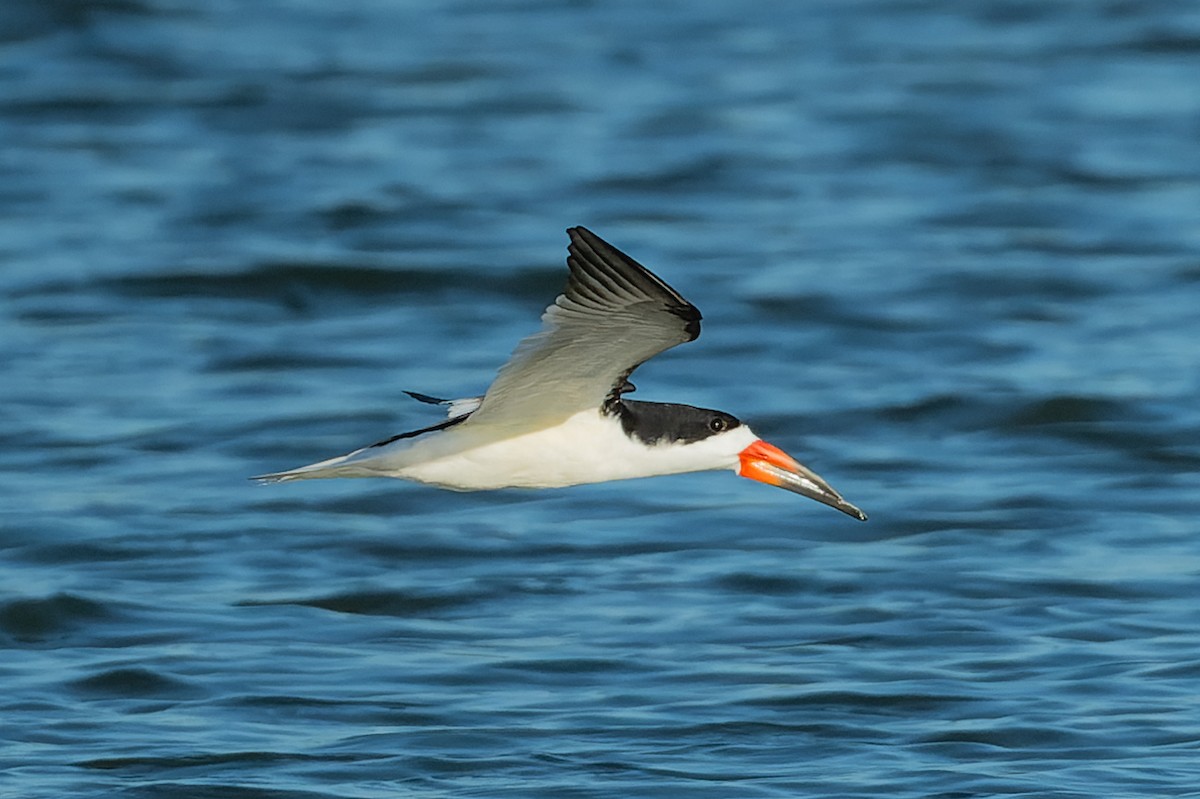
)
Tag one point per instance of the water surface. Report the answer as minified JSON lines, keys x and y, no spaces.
{"x":946,"y":253}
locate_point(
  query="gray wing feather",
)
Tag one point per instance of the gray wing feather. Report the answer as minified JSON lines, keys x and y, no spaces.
{"x":614,"y":315}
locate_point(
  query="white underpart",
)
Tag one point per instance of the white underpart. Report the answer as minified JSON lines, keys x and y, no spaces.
{"x":588,"y":447}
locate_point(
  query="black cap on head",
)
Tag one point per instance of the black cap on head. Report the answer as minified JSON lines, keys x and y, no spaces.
{"x":663,"y":422}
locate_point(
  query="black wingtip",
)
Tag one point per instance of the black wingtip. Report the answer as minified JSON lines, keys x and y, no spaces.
{"x":584,"y":242}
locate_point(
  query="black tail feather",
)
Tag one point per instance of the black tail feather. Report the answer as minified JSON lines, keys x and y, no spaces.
{"x":427,"y":399}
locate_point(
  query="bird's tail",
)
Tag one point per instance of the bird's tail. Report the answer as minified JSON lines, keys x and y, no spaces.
{"x":382,"y":458}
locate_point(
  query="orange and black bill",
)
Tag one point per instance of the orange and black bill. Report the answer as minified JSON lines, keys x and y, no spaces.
{"x":769,"y":464}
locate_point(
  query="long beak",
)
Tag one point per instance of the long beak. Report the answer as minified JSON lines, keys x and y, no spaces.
{"x":769,"y":464}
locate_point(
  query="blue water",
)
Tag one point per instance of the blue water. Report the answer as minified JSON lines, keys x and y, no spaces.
{"x":948,"y":255}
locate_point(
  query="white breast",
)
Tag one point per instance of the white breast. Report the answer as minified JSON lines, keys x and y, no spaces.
{"x":588,"y":447}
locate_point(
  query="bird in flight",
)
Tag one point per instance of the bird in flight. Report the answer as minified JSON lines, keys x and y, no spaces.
{"x":557,"y":413}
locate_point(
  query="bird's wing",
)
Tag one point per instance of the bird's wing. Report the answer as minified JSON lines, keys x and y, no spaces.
{"x":614,"y":315}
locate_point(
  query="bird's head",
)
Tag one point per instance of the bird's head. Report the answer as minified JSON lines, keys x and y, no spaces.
{"x":718,"y":440}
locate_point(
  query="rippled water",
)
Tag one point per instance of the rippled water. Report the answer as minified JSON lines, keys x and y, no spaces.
{"x":948,"y":254}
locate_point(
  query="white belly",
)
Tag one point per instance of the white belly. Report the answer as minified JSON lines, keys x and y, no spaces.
{"x":588,"y":447}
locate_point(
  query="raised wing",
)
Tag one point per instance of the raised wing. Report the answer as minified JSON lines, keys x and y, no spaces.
{"x":614,"y":315}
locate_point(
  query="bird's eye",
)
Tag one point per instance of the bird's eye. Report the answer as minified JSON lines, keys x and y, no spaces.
{"x":717,"y":424}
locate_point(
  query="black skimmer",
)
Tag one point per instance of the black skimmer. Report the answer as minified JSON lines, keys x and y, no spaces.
{"x":557,"y":415}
